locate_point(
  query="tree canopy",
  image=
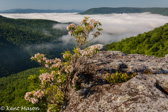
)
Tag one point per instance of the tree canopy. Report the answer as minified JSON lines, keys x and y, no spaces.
{"x":154,"y":42}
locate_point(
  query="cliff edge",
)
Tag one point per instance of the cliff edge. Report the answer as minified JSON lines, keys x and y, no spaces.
{"x":147,"y":91}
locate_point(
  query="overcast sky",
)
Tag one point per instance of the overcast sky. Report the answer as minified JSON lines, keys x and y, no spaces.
{"x":79,"y":4}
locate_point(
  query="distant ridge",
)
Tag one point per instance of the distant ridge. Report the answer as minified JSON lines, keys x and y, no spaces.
{"x":109,"y":10}
{"x":39,"y":11}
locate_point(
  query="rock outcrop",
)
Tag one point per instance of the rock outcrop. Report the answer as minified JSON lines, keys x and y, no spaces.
{"x":146,"y":92}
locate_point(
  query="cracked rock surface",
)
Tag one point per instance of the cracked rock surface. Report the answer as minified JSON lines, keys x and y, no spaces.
{"x":108,"y":60}
{"x":140,"y":94}
{"x":143,"y":93}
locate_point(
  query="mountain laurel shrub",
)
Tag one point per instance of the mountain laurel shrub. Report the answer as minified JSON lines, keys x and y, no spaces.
{"x":51,"y":91}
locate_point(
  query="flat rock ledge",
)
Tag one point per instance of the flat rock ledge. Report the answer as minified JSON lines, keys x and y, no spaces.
{"x":116,"y":60}
{"x":146,"y":92}
{"x":143,"y":93}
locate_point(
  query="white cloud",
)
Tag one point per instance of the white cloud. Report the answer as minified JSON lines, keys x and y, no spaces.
{"x":116,"y":26}
{"x":60,"y":26}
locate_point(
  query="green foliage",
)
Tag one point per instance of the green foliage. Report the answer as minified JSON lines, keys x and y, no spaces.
{"x":34,"y":79}
{"x":55,"y":81}
{"x":14,"y":87}
{"x":18,"y":40}
{"x":22,"y":32}
{"x":55,"y":98}
{"x":42,"y":71}
{"x":154,"y":42}
{"x":118,"y":77}
{"x":81,"y":32}
{"x":67,"y":55}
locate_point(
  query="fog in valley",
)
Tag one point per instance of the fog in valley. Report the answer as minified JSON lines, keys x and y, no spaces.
{"x":115,"y":26}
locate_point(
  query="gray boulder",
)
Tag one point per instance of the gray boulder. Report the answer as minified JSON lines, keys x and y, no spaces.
{"x":147,"y":92}
{"x":143,"y":93}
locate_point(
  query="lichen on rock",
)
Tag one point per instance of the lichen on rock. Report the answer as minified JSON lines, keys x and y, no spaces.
{"x":145,"y":92}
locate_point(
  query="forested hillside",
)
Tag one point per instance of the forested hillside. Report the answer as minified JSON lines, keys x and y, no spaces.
{"x":108,"y":10}
{"x":154,"y":42}
{"x":17,"y":34}
{"x":14,"y":87}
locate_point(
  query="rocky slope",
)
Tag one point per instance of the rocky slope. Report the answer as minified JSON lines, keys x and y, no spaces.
{"x":147,"y":91}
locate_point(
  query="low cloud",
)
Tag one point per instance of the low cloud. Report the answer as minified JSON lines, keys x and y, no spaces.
{"x":115,"y":26}
{"x":60,"y":26}
{"x":40,"y":46}
{"x":67,"y":39}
